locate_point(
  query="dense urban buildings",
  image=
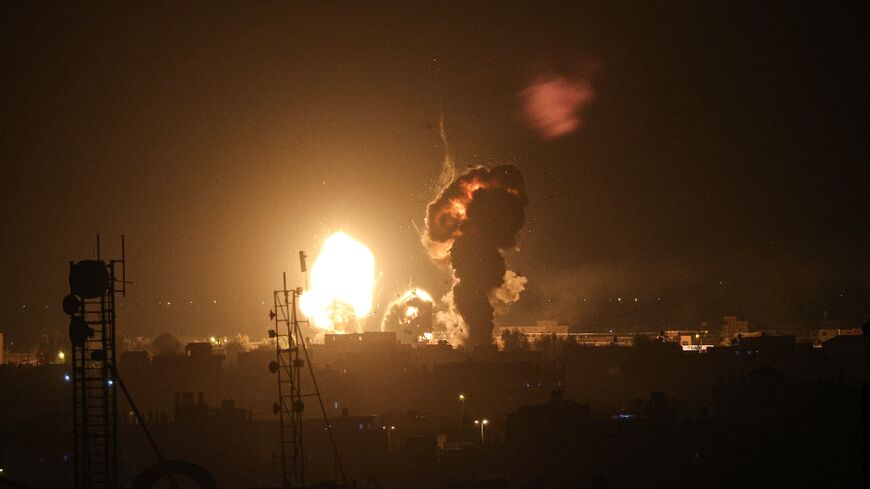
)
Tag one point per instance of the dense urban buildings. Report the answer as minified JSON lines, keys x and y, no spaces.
{"x":548,"y":410}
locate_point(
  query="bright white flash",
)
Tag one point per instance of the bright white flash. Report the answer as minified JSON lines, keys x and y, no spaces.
{"x":342,"y":283}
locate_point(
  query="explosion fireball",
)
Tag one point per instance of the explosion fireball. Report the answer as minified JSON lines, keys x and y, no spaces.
{"x":411,"y":316}
{"x":342,"y":284}
{"x":471,"y":223}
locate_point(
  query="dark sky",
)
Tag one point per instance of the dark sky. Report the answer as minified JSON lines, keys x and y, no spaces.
{"x":725,"y":144}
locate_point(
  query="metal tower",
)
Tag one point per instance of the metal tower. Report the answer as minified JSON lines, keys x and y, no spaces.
{"x":291,"y":359}
{"x":91,"y":303}
{"x":288,"y":365}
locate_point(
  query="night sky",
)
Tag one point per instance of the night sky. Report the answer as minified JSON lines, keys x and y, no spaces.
{"x":721,"y":167}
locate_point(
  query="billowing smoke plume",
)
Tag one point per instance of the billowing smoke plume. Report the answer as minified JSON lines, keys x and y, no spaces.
{"x":508,"y":293}
{"x":411,"y":316}
{"x":471,"y":223}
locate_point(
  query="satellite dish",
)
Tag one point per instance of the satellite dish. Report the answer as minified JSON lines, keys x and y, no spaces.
{"x":79,"y":331}
{"x":71,"y":304}
{"x":89,"y":278}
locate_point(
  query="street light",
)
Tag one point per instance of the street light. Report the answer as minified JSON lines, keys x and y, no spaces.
{"x":482,"y":423}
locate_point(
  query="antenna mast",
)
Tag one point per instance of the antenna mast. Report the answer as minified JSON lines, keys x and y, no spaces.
{"x":91,"y":305}
{"x":288,"y":365}
{"x":291,"y":358}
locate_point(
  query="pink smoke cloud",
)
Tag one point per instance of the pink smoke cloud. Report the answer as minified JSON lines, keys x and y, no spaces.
{"x":553,"y":105}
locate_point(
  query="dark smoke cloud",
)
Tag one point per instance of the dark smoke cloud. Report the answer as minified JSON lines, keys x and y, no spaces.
{"x":471,"y":223}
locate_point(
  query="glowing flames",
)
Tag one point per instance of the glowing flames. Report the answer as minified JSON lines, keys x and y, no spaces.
{"x":419,"y":293}
{"x":445,"y":216}
{"x":342,"y":284}
{"x":410,"y":316}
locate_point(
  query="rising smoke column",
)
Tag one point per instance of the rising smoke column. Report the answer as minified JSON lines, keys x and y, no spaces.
{"x":471,"y":223}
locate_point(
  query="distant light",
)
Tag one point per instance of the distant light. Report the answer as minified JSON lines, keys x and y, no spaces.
{"x":61,"y":356}
{"x":392,"y":427}
{"x":461,"y":397}
{"x":697,"y":336}
{"x":619,"y":299}
{"x":476,"y":421}
{"x":485,"y":421}
{"x":214,"y":302}
{"x":168,"y":303}
{"x":635,"y":299}
{"x":213,"y":340}
{"x":110,"y":382}
{"x":66,"y":377}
